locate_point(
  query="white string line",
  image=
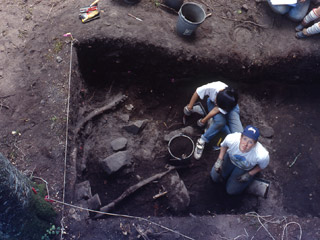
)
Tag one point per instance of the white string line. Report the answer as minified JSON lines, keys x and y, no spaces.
{"x":285,"y":228}
{"x":67,"y":124}
{"x":123,"y":215}
{"x":66,"y":142}
{"x":254,"y":214}
{"x":110,"y":214}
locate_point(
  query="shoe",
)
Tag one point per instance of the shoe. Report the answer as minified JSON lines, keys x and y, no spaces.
{"x":215,"y":148}
{"x":301,"y":35}
{"x":299,"y":28}
{"x":199,"y":149}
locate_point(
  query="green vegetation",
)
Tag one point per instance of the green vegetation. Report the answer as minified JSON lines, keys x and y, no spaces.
{"x":41,"y":216}
{"x":58,"y":44}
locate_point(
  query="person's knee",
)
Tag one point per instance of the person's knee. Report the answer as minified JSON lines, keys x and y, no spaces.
{"x":214,"y":175}
{"x":233,"y":190}
{"x":219,"y":122}
{"x":296,"y":18}
{"x":317,"y":11}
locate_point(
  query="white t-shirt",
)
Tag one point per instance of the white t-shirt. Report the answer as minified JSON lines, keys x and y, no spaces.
{"x":211,"y":90}
{"x":258,"y":155}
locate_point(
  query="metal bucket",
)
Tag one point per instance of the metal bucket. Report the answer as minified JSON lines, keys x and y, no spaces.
{"x":181,"y":148}
{"x":191,"y":15}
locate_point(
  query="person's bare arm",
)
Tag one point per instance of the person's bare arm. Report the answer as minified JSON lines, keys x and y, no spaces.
{"x":218,"y":163}
{"x":193,"y":99}
{"x":254,"y":170}
{"x":223,"y":151}
{"x":213,"y":112}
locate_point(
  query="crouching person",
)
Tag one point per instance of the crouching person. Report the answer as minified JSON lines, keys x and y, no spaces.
{"x":310,"y":25}
{"x":241,"y":157}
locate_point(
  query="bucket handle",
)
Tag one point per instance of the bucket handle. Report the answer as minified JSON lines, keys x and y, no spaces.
{"x":180,"y":135}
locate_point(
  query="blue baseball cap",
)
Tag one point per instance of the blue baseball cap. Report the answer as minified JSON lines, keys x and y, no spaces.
{"x":251,"y":132}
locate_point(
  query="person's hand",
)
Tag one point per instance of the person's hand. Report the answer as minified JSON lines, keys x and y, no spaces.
{"x":200,"y":123}
{"x":302,"y":1}
{"x":244,"y":177}
{"x":218,"y":165}
{"x":186,"y":111}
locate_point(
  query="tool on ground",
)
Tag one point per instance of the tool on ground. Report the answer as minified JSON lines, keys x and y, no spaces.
{"x":87,"y":17}
{"x":89,"y":13}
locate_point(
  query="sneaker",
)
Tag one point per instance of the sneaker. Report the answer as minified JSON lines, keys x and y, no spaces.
{"x":299,"y":28}
{"x":215,"y":148}
{"x":199,"y":149}
{"x":301,"y":35}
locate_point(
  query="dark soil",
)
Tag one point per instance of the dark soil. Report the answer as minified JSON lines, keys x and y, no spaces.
{"x":253,"y":50}
{"x":181,"y":147}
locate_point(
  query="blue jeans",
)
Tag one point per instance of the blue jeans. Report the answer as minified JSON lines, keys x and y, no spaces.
{"x":229,"y":122}
{"x":295,"y":13}
{"x":230,"y":173}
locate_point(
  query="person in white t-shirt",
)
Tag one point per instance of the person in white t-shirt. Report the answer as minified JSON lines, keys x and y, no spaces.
{"x":222,"y":103}
{"x":241,"y":157}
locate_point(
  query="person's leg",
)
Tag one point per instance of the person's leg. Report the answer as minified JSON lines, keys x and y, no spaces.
{"x":219,"y":121}
{"x":298,"y":12}
{"x":233,"y":120}
{"x":311,"y":16}
{"x":306,"y":32}
{"x":227,"y":167}
{"x":233,"y":186}
{"x":280,"y":9}
{"x":210,"y":105}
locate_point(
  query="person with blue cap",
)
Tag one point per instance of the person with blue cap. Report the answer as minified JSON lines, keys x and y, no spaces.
{"x":241,"y":157}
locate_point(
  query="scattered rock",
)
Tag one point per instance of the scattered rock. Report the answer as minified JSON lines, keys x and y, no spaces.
{"x":144,"y":154}
{"x":115,"y":162}
{"x":79,"y":214}
{"x":83,"y":191}
{"x":58,"y":59}
{"x":94,"y":202}
{"x":190,"y":131}
{"x":136,"y":126}
{"x":178,"y":195}
{"x":266,"y":131}
{"x":124,"y":117}
{"x":245,"y":7}
{"x":119,"y":144}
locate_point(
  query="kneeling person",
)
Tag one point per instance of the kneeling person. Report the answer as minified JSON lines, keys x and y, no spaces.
{"x":241,"y":157}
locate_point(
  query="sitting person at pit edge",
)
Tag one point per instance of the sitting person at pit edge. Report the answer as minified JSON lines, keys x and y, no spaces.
{"x":241,"y":157}
{"x":222,"y":103}
{"x":303,"y":30}
{"x":295,"y":12}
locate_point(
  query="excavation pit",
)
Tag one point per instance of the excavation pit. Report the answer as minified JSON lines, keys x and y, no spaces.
{"x":158,"y":84}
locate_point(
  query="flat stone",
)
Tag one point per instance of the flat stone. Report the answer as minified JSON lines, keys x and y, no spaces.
{"x":83,"y":191}
{"x":190,"y":131}
{"x":94,"y":202}
{"x":119,"y":144}
{"x":136,"y":126}
{"x":115,"y":162}
{"x":79,"y":214}
{"x":178,"y":195}
{"x":266,"y":131}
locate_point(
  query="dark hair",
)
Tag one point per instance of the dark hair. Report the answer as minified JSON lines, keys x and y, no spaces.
{"x":227,"y":99}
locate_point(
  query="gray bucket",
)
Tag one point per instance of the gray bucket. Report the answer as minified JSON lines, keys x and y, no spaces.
{"x":191,"y":15}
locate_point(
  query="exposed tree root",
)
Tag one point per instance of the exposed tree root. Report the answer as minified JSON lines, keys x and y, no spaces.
{"x":118,"y":99}
{"x":131,"y":190}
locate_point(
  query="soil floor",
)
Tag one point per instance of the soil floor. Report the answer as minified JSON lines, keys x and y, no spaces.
{"x":242,"y":43}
